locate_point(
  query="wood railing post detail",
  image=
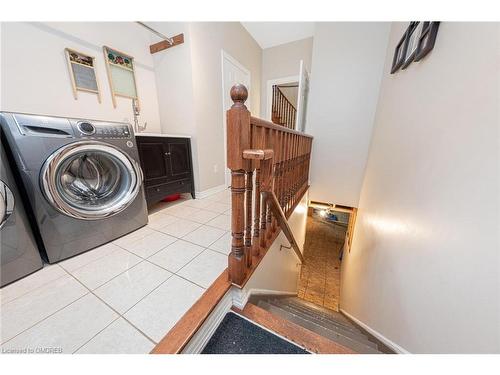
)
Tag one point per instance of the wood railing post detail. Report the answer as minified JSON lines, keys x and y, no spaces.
{"x":238,"y":140}
{"x":248,"y":219}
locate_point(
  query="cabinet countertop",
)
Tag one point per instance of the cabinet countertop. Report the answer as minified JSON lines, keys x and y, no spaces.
{"x":162,"y":135}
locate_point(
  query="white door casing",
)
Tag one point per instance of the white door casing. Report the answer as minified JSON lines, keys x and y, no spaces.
{"x":233,"y":72}
{"x":303,"y":95}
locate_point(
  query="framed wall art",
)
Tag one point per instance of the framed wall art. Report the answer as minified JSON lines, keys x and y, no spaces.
{"x":121,"y":74}
{"x":82,"y":73}
{"x":417,"y":41}
{"x":399,"y":54}
{"x":427,"y":39}
{"x":412,"y":39}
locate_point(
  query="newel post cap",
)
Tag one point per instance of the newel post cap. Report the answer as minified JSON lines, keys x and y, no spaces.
{"x":239,"y":94}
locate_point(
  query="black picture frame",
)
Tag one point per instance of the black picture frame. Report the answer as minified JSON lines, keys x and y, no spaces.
{"x":399,"y":54}
{"x":413,"y":34}
{"x":427,"y":39}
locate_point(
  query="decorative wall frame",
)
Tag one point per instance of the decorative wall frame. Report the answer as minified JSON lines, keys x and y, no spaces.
{"x":399,"y":54}
{"x":82,"y":73}
{"x":417,"y":41}
{"x":427,"y":39}
{"x":121,"y":74}
{"x":412,"y":41}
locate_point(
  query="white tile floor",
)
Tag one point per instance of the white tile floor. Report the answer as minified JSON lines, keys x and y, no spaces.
{"x":122,"y":297}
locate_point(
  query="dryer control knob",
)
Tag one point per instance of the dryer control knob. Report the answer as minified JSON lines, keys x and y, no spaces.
{"x":86,"y":128}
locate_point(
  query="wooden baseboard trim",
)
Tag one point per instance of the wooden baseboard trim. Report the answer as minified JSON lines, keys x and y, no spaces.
{"x":178,"y":337}
{"x":291,"y":331}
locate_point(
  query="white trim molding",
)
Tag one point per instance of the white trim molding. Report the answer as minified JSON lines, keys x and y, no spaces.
{"x":398,"y":349}
{"x":204,"y":333}
{"x":211,"y":191}
{"x":241,"y":296}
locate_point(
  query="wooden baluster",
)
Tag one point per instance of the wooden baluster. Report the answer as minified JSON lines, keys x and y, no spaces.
{"x":269,"y":221}
{"x":295,"y":170}
{"x":287,"y":115}
{"x":282,"y":108}
{"x":279,"y":166}
{"x":275,"y":102}
{"x":238,"y":139}
{"x":284,"y":164}
{"x":295,"y":173}
{"x":277,"y":160}
{"x":264,"y":208}
{"x":259,"y":144}
{"x":248,"y":229}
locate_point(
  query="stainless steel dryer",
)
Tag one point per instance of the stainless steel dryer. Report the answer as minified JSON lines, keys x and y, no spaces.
{"x":82,"y":178}
{"x":19,"y":254}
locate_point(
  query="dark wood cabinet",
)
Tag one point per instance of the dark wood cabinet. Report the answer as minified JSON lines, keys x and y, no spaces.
{"x":167,"y":166}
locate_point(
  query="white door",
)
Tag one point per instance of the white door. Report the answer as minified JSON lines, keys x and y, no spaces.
{"x":302,"y":98}
{"x":232,"y":73}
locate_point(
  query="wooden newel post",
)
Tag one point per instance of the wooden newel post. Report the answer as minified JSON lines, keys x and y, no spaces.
{"x":238,"y":140}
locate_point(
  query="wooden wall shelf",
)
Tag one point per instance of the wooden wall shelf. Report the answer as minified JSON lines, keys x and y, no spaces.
{"x":164,"y":44}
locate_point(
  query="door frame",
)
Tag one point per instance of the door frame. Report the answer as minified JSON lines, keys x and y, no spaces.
{"x":269,"y":90}
{"x":232,"y":60}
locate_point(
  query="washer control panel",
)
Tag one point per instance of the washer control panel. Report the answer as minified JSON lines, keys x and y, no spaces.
{"x":112,"y":131}
{"x":86,"y":128}
{"x":103,"y":130}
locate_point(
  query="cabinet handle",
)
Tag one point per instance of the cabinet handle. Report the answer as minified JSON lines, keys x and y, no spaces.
{"x":167,"y":153}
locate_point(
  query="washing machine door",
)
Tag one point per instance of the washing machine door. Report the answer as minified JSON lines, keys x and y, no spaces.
{"x":6,"y":203}
{"x":90,"y":180}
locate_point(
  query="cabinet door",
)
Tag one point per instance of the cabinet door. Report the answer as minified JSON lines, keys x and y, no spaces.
{"x":179,"y":156}
{"x":153,"y":161}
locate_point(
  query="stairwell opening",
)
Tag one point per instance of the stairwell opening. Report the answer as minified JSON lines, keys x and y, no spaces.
{"x":328,"y":235}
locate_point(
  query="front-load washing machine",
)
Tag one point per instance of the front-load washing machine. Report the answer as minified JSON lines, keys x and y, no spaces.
{"x":82,"y":179}
{"x":19,"y":254}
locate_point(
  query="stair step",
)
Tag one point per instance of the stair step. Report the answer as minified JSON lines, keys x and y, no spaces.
{"x":320,"y":317}
{"x":318,"y":310}
{"x":331,"y":325}
{"x":348,"y":342}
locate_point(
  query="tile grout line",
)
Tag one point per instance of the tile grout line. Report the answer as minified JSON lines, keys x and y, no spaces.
{"x":45,"y":318}
{"x":113,"y":309}
{"x":143,"y":260}
{"x":38,"y":285}
{"x":163,"y":268}
{"x":92,"y":261}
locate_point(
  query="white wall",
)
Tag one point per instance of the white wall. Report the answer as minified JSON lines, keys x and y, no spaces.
{"x":35,"y":75}
{"x":207,"y":41}
{"x":425,"y":263}
{"x":189,"y":80}
{"x":284,"y":61}
{"x":347,"y":64}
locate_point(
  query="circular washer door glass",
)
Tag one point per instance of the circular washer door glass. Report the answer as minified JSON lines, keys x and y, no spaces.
{"x":90,"y":180}
{"x":6,"y":203}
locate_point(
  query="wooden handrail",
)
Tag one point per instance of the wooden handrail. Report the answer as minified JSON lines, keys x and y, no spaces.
{"x":269,"y":167}
{"x":271,"y":125}
{"x":270,"y":198}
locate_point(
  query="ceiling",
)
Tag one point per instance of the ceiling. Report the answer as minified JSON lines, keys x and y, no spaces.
{"x":270,"y":34}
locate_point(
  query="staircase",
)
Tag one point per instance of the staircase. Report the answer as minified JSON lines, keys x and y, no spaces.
{"x":324,"y":322}
{"x":283,"y":113}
